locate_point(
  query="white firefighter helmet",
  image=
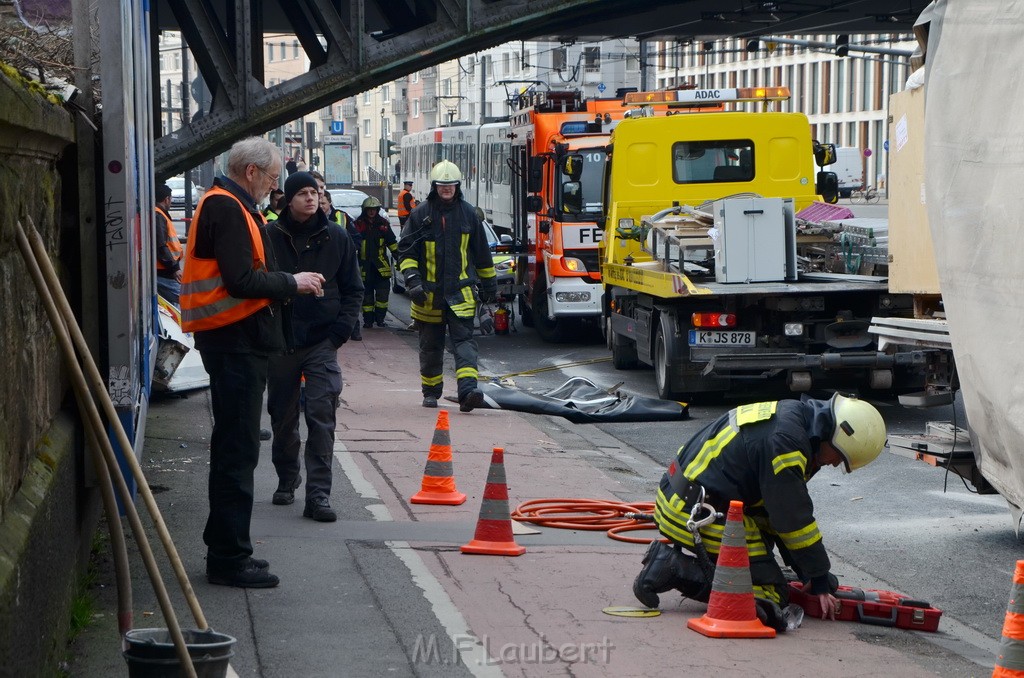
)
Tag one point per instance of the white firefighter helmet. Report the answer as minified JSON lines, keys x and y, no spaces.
{"x":860,"y":431}
{"x":445,"y":172}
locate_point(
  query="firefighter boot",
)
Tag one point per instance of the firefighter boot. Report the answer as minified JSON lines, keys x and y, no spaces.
{"x":379,"y":316}
{"x":658,"y":575}
{"x":367,"y":319}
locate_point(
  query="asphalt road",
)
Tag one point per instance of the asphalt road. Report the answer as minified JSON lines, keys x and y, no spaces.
{"x":898,"y":524}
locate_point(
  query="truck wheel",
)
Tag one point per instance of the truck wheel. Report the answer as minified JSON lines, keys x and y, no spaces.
{"x":662,"y":357}
{"x":551,"y":331}
{"x":524,"y":311}
{"x":623,"y":350}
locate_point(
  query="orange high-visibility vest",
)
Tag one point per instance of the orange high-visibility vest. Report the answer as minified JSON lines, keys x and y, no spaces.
{"x":173,"y":244}
{"x":205,"y":303}
{"x":402,"y":210}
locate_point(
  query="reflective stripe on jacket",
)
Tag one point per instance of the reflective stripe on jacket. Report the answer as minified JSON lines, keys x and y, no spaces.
{"x":375,"y":238}
{"x":406,"y":203}
{"x":173,"y":244}
{"x":758,"y":454}
{"x":447,"y":247}
{"x":205,"y":302}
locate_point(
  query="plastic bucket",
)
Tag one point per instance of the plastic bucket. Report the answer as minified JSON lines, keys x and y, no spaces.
{"x":151,"y":653}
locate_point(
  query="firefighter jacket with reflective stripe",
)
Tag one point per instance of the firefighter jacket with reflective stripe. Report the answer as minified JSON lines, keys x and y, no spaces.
{"x":444,"y":249}
{"x":375,"y":239}
{"x":406,"y":203}
{"x":168,"y":247}
{"x":761,"y":455}
{"x":231,"y":276}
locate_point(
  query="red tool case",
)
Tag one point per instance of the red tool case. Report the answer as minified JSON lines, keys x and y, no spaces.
{"x":871,"y":606}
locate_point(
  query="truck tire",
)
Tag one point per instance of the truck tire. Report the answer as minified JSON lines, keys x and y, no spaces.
{"x":662,"y":357}
{"x":623,"y":350}
{"x":524,"y":311}
{"x":551,"y":331}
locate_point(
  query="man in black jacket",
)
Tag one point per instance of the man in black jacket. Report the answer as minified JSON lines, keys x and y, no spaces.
{"x":231,"y":299}
{"x":305,"y":240}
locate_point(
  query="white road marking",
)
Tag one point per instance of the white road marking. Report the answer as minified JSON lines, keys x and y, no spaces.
{"x":473,"y":654}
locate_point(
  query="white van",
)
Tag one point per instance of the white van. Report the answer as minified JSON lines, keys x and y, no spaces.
{"x":849,"y":167}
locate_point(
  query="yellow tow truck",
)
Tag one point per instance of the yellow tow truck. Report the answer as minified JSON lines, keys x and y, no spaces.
{"x":707,"y":274}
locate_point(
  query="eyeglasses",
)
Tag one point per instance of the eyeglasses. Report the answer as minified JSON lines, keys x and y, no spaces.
{"x":273,"y":178}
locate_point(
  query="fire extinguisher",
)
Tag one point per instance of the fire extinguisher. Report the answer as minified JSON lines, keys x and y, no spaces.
{"x":501,"y":319}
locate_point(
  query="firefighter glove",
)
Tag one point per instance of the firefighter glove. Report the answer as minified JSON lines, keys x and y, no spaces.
{"x":417,"y":294}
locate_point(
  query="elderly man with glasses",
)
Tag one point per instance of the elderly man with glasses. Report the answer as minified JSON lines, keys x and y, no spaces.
{"x":231,"y":297}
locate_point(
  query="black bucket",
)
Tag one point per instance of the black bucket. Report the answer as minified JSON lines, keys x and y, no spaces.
{"x":151,"y":653}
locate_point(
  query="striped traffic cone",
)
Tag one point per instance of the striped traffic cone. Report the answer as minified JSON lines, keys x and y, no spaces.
{"x":494,"y":529}
{"x":1010,"y":660}
{"x":438,"y":486}
{"x":732,"y":612}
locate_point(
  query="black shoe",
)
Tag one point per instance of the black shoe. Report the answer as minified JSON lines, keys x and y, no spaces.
{"x":319,"y":509}
{"x":471,"y":400}
{"x":429,"y":401}
{"x":259,"y":563}
{"x":368,"y":324}
{"x":285,"y":493}
{"x":249,"y":577}
{"x":265,"y":434}
{"x":381,"y":323}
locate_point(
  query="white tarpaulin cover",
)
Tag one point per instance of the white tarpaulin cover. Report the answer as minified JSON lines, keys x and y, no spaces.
{"x":974,"y":183}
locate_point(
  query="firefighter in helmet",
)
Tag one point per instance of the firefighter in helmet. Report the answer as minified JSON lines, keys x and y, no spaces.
{"x":763,"y":455}
{"x":376,"y":242}
{"x":446,"y":260}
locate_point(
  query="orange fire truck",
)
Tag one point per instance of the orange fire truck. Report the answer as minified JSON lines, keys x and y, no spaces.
{"x":558,"y":159}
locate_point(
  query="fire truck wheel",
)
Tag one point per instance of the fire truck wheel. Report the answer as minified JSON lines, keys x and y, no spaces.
{"x":524,"y":311}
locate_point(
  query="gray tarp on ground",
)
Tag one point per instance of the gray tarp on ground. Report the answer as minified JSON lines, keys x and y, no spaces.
{"x":974,"y":173}
{"x":582,"y":402}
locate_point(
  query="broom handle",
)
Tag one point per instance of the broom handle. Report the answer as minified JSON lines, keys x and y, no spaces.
{"x":99,"y":388}
{"x":96,"y":433}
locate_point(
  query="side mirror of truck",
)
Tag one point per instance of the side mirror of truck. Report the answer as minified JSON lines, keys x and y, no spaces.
{"x":535,"y":178}
{"x":824,"y":154}
{"x":827,"y":186}
{"x":572,"y":197}
{"x":534,"y":204}
{"x":572,"y":166}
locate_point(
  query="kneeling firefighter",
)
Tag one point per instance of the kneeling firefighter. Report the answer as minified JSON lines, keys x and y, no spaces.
{"x":762,"y":454}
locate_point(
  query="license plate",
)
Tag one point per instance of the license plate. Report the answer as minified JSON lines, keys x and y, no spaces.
{"x":738,"y":338}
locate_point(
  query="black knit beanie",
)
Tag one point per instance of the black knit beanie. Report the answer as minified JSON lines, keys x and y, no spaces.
{"x":296,"y":182}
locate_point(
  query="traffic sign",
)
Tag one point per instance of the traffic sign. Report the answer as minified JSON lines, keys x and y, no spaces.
{"x":601,"y":88}
{"x":337,"y":126}
{"x":885,"y":144}
{"x":337,"y":138}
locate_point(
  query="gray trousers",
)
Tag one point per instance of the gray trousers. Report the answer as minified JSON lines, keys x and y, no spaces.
{"x":319,"y":364}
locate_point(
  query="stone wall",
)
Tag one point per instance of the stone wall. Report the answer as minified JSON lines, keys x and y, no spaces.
{"x":47,"y":514}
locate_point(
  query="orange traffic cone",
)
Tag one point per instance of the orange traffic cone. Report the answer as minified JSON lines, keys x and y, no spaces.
{"x":438,"y":486}
{"x":494,"y":529}
{"x":731,"y":609}
{"x":1010,"y":660}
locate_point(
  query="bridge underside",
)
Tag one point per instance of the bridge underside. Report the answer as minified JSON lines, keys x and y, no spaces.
{"x":355,"y":45}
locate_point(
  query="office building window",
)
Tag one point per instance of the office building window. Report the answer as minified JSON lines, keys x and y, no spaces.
{"x":295,"y":49}
{"x":270,"y":52}
{"x":366,"y":128}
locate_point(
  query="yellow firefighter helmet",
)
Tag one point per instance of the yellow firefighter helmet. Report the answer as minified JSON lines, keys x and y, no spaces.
{"x":445,"y":172}
{"x":860,"y":431}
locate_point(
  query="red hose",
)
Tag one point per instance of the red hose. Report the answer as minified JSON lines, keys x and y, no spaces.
{"x":588,"y":514}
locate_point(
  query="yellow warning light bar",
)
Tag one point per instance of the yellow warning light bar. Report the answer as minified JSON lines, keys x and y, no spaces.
{"x":692,"y":97}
